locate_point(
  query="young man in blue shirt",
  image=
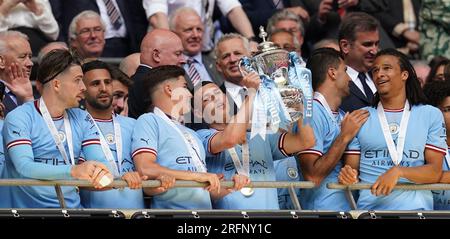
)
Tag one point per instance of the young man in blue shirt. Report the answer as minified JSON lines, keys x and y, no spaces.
{"x":115,"y":139}
{"x":333,"y":130}
{"x":402,"y":141}
{"x":438,"y":94}
{"x":230,"y":151}
{"x":164,"y":146}
{"x":44,"y":138}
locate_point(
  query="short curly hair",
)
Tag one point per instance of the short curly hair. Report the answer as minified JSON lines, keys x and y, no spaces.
{"x":436,"y":91}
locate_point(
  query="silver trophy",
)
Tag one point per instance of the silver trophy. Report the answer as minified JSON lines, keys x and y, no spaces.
{"x":272,"y":61}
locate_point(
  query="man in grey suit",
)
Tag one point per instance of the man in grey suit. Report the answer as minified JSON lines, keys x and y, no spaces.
{"x":187,"y":24}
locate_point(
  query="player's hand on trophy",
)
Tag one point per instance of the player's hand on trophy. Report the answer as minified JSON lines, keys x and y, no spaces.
{"x":292,"y":98}
{"x":251,"y":80}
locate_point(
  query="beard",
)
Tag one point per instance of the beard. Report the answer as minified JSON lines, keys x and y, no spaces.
{"x":98,"y":104}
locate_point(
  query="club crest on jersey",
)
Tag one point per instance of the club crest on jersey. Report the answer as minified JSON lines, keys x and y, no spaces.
{"x":110,"y":139}
{"x":292,"y":173}
{"x":62,"y":136}
{"x":394,"y":128}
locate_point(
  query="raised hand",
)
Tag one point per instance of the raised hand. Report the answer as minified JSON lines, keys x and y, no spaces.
{"x":251,"y":80}
{"x":33,"y":6}
{"x":19,"y":82}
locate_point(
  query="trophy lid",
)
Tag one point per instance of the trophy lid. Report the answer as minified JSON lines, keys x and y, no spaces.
{"x":265,"y":46}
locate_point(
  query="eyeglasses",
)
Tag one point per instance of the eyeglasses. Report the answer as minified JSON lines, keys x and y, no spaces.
{"x":86,"y":32}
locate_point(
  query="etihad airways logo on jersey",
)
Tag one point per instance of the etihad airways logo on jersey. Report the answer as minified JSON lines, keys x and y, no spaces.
{"x":186,"y":161}
{"x":52,"y":161}
{"x":390,"y":163}
{"x":384,"y":153}
{"x":256,"y":167}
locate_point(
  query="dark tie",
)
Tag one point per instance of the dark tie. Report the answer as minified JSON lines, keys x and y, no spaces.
{"x":113,"y":14}
{"x":192,"y":72}
{"x":242,"y":94}
{"x":367,"y":90}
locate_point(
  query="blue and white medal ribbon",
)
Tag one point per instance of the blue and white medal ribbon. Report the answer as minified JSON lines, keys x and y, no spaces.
{"x":300,"y":77}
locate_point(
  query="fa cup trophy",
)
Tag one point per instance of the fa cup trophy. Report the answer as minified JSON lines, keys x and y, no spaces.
{"x":285,"y":92}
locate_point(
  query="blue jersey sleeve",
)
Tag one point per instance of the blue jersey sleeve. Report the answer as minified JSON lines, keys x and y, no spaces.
{"x":276,"y":142}
{"x":206,"y":135}
{"x":91,"y":149}
{"x":16,"y":135}
{"x":320,"y":128}
{"x":353,"y":147}
{"x":436,"y":139}
{"x":145,"y":135}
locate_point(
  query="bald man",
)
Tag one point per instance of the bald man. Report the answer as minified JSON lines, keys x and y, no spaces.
{"x":159,"y":47}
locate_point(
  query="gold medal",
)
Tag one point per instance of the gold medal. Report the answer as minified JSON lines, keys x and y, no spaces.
{"x":247,"y":191}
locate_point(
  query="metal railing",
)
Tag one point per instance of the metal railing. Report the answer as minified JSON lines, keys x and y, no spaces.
{"x":110,"y":60}
{"x":360,"y":186}
{"x":291,"y":186}
{"x":156,"y":183}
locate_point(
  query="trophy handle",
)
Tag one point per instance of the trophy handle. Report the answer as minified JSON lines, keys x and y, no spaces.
{"x":241,"y":62}
{"x":245,"y":65}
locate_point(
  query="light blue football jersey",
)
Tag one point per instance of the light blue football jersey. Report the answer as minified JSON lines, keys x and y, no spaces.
{"x":116,"y":198}
{"x":286,"y":170}
{"x":442,"y":197}
{"x":154,"y":135}
{"x":2,"y":152}
{"x":5,"y":198}
{"x":32,"y":153}
{"x":262,"y":155}
{"x":425,"y":130}
{"x":326,"y":130}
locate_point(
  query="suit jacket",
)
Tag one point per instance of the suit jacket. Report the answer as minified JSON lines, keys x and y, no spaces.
{"x":356,"y":99}
{"x":210,"y":66}
{"x":390,"y":13}
{"x":138,"y":100}
{"x":9,"y":104}
{"x":132,"y":11}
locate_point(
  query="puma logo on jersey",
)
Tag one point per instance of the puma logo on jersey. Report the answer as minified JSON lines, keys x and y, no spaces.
{"x":144,"y":140}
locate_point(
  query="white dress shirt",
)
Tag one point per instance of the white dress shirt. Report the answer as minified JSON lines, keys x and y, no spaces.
{"x":199,"y":66}
{"x":354,"y":76}
{"x":110,"y":31}
{"x":169,"y":6}
{"x":234,"y":91}
{"x":21,"y":16}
